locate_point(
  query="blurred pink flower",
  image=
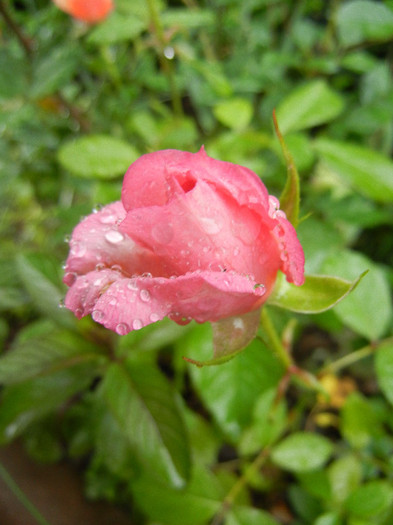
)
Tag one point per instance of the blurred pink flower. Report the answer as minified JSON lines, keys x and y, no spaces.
{"x":90,"y":11}
{"x":192,"y":238}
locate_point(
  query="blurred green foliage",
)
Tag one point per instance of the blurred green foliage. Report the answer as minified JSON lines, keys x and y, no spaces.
{"x":246,"y":442}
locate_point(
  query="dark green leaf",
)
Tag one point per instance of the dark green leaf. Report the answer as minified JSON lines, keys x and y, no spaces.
{"x":143,"y":403}
{"x":31,"y":400}
{"x":37,"y":272}
{"x":230,"y":391}
{"x":46,"y":354}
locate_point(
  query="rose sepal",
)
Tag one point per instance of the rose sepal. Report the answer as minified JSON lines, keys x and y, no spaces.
{"x":290,"y":196}
{"x":318,"y":293}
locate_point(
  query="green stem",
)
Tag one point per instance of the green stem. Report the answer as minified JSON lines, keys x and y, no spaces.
{"x":238,"y":486}
{"x":21,"y":496}
{"x":166,"y":65}
{"x":355,"y":356}
{"x":274,"y":341}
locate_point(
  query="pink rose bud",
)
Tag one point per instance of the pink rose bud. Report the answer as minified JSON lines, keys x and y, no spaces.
{"x":193,"y":238}
{"x":90,"y":11}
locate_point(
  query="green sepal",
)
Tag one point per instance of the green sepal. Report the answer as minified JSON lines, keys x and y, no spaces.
{"x":230,"y":336}
{"x":290,"y":197}
{"x":318,"y":293}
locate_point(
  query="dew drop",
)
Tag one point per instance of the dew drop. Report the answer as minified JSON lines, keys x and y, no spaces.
{"x":98,"y":315}
{"x":67,"y":238}
{"x":114,"y":237}
{"x":113,"y":302}
{"x":61,"y":303}
{"x":137,"y":324}
{"x":100,"y":266}
{"x":116,"y":268}
{"x":78,"y":250}
{"x":131,"y":285}
{"x":97,"y":208}
{"x":108,"y":218}
{"x":154,"y":317}
{"x":122,"y":329}
{"x":259,"y":289}
{"x":145,"y":296}
{"x":147,"y":274}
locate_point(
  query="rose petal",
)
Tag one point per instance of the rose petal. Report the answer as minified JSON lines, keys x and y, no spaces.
{"x":85,"y":291}
{"x":146,"y":180}
{"x":97,"y":242}
{"x":203,"y":229}
{"x":130,"y":304}
{"x":291,"y":251}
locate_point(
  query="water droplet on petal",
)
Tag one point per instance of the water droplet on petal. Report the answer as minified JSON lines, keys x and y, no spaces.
{"x":100,"y":266}
{"x":137,"y":324}
{"x":78,"y":249}
{"x":108,"y":218}
{"x":114,"y":236}
{"x":147,"y":274}
{"x":79,"y":313}
{"x":113,"y":302}
{"x":259,"y":289}
{"x":116,"y":268}
{"x":131,"y":285}
{"x":274,"y":205}
{"x":145,"y":296}
{"x":98,"y":315}
{"x":122,"y":329}
{"x":97,"y":208}
{"x":154,"y":317}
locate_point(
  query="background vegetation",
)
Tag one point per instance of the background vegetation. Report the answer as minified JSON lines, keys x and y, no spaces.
{"x":246,"y":442}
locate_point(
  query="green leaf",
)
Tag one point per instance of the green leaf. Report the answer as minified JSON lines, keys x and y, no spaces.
{"x":44,"y":355}
{"x":117,"y":28}
{"x":290,"y":197}
{"x":230,"y":336}
{"x":236,"y":113}
{"x":32,"y":400}
{"x":359,"y":423}
{"x":362,"y":20}
{"x":317,"y":294}
{"x":97,"y":156}
{"x":384,"y":369}
{"x":345,"y":474}
{"x":302,"y":451}
{"x":366,"y":170}
{"x":54,"y":70}
{"x":330,"y":518}
{"x":370,"y":499}
{"x":142,"y":401}
{"x":368,"y":309}
{"x":309,"y":105}
{"x":38,"y":273}
{"x":240,"y":515}
{"x":187,"y":18}
{"x":230,"y":391}
{"x":197,"y":502}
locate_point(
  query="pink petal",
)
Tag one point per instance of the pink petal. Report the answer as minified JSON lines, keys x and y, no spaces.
{"x":98,"y":243}
{"x":146,"y":180}
{"x":85,"y":290}
{"x":207,"y":230}
{"x":130,"y":304}
{"x":291,"y":251}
